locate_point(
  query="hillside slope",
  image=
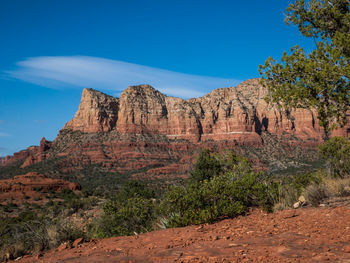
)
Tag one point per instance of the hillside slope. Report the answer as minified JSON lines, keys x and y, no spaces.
{"x":304,"y":235}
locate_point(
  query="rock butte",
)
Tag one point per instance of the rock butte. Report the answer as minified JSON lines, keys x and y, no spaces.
{"x":32,"y":185}
{"x":149,"y":131}
{"x":237,"y":113}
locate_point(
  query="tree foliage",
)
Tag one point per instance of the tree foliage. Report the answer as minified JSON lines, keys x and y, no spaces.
{"x":336,"y":153}
{"x":229,"y":190}
{"x":131,"y":210}
{"x":207,"y":166}
{"x":320,"y":79}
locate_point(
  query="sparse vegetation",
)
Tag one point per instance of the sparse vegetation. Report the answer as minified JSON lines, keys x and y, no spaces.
{"x":32,"y":228}
{"x":220,"y":186}
{"x":131,"y":211}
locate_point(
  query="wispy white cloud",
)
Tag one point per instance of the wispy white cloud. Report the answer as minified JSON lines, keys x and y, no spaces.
{"x":2,"y":134}
{"x":112,"y":75}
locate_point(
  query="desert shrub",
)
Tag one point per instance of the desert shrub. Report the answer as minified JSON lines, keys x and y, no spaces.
{"x":135,"y":215}
{"x":290,"y":188}
{"x":338,"y":187}
{"x":131,"y":210}
{"x":230,"y":161}
{"x":207,"y":166}
{"x":285,"y":196}
{"x":223,"y":196}
{"x":29,"y":233}
{"x":301,"y":180}
{"x":315,"y":193}
{"x":225,"y":190}
{"x":329,"y":187}
{"x":336,"y":153}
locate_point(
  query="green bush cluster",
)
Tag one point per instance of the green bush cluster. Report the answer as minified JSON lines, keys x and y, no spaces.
{"x":220,"y":186}
{"x":336,"y":153}
{"x":132,"y":210}
{"x":223,"y":196}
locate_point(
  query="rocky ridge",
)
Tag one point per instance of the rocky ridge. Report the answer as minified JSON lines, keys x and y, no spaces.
{"x":237,"y":113}
{"x":32,"y":185}
{"x":150,"y":135}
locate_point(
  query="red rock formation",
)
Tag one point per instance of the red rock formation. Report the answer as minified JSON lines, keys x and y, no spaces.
{"x":32,"y":185}
{"x":31,"y":155}
{"x":97,"y":112}
{"x":38,"y":154}
{"x":150,"y":133}
{"x":237,"y":113}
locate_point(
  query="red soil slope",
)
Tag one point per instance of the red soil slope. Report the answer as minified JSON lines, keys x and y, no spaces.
{"x":304,"y":235}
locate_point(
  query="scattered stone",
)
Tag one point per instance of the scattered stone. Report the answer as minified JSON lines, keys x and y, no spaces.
{"x":297,"y":205}
{"x":78,"y":242}
{"x":302,"y":199}
{"x":346,"y":249}
{"x":233,"y":245}
{"x":38,"y":256}
{"x":63,"y":246}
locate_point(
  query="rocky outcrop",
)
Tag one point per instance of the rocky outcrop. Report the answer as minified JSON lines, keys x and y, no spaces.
{"x":29,"y":156}
{"x":237,"y":113}
{"x":38,"y":154}
{"x":97,"y":112}
{"x":150,"y":135}
{"x":32,"y":185}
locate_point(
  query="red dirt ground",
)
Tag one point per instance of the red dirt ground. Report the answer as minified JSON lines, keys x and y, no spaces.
{"x":304,"y":235}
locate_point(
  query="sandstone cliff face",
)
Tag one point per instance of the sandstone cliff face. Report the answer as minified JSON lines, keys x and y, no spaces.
{"x":97,"y":112}
{"x":237,"y":113}
{"x":149,"y":135}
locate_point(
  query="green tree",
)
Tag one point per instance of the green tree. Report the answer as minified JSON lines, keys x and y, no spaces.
{"x":320,"y":79}
{"x":207,"y":166}
{"x":336,"y":153}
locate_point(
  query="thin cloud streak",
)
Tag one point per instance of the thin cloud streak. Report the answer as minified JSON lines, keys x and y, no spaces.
{"x":2,"y":134}
{"x":112,"y":75}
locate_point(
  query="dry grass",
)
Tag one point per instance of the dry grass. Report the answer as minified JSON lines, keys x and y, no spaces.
{"x":330,"y":187}
{"x":286,"y":197}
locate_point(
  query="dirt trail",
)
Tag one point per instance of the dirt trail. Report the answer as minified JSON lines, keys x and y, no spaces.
{"x":303,"y":235}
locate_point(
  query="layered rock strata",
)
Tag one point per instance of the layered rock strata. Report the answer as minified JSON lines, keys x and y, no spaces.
{"x":149,"y":134}
{"x":237,"y":113}
{"x":32,"y":185}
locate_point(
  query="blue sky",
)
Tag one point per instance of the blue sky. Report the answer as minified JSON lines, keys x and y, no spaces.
{"x":51,"y":50}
